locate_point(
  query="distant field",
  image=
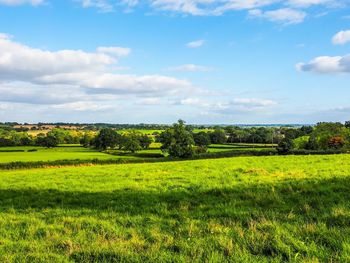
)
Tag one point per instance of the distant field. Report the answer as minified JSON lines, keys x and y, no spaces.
{"x":76,"y":152}
{"x":243,"y":209}
{"x":53,"y":154}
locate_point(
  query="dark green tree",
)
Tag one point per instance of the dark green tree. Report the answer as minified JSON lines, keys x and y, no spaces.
{"x":347,"y":124}
{"x":285,"y":146}
{"x":145,"y":141}
{"x":202,"y":139}
{"x":177,"y":141}
{"x":218,"y":136}
{"x":48,"y":141}
{"x":106,"y":138}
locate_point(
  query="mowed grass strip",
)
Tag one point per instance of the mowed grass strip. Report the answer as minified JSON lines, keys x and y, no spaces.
{"x":243,"y":209}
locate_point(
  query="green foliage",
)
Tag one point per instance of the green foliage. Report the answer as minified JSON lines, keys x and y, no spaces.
{"x":347,"y":124}
{"x":323,"y":133}
{"x":285,"y":146}
{"x":202,"y":139}
{"x":88,"y":139}
{"x":177,"y":141}
{"x":106,"y":138}
{"x":145,"y":141}
{"x":48,"y":141}
{"x":218,"y":136}
{"x":301,"y":142}
{"x":131,"y":141}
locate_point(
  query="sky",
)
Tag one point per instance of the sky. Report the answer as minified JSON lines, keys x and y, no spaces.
{"x":157,"y":61}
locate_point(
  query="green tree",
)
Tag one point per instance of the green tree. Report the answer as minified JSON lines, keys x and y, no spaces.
{"x":48,"y":141}
{"x":285,"y":146}
{"x":202,"y":139}
{"x":131,"y":141}
{"x":145,"y":141}
{"x":177,"y":141}
{"x":347,"y":124}
{"x":218,"y":136}
{"x":106,"y":138}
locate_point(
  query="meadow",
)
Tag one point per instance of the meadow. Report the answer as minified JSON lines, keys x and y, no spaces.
{"x":81,"y":154}
{"x":41,"y":154}
{"x":242,"y":209}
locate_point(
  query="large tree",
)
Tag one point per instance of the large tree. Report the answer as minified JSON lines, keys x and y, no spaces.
{"x":177,"y":141}
{"x":218,"y":136}
{"x":107,"y":138}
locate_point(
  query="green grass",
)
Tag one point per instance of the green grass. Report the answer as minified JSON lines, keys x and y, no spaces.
{"x":52,"y":154}
{"x":76,"y":152}
{"x":238,"y":147}
{"x":243,"y":209}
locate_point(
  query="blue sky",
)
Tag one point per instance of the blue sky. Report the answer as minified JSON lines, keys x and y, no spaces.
{"x":155,"y":61}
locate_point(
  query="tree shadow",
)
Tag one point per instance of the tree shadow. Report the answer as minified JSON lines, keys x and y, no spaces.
{"x":312,"y":199}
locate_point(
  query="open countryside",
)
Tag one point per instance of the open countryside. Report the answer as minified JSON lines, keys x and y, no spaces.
{"x":174,"y":131}
{"x":112,"y":195}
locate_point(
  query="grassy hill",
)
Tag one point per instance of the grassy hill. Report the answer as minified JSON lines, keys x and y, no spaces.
{"x":243,"y":209}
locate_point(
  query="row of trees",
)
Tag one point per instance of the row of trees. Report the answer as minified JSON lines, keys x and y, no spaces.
{"x":324,"y":136}
{"x":9,"y":137}
{"x":132,"y":141}
{"x":179,"y":140}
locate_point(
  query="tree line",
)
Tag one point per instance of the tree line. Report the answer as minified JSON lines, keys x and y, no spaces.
{"x":181,"y":140}
{"x":324,"y":136}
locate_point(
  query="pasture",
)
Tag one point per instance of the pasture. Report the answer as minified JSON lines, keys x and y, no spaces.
{"x":76,"y":152}
{"x":41,"y":154}
{"x":243,"y":209}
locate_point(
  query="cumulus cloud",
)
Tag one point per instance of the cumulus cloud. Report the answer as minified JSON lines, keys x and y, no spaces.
{"x":327,"y":65}
{"x":341,"y":38}
{"x":284,"y":15}
{"x":190,"y":68}
{"x":31,"y":75}
{"x":196,"y":43}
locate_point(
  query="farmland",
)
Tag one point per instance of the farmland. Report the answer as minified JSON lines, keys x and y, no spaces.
{"x":246,"y":209}
{"x":77,"y":152}
{"x":174,"y":196}
{"x":36,"y":154}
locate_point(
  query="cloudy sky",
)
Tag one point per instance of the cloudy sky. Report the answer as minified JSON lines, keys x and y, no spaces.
{"x":155,"y":61}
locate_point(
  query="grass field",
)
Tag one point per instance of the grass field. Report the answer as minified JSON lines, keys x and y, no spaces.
{"x":76,"y":152}
{"x":52,"y":154}
{"x":243,"y":209}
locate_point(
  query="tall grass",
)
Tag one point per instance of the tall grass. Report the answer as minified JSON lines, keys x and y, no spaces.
{"x":244,"y":209}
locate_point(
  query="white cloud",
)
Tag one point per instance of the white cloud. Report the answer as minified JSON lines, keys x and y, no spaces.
{"x":341,"y":38}
{"x":21,"y":2}
{"x":149,"y":101}
{"x":196,"y":102}
{"x":283,"y":15}
{"x":307,"y":3}
{"x":253,"y":102}
{"x":31,"y":75}
{"x":195,"y":44}
{"x":327,"y":65}
{"x":102,"y":5}
{"x":237,"y":104}
{"x":114,"y":51}
{"x":83,"y":106}
{"x":288,"y":8}
{"x":190,"y":68}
